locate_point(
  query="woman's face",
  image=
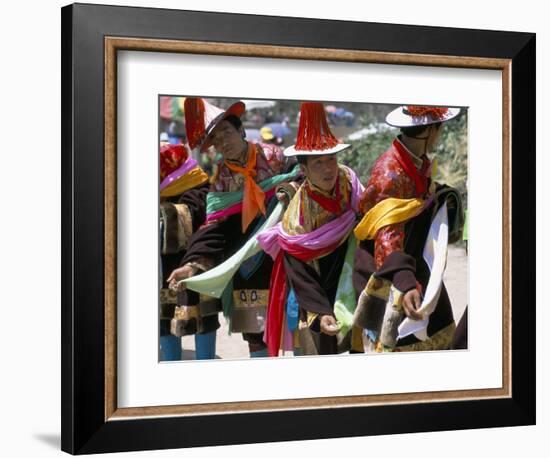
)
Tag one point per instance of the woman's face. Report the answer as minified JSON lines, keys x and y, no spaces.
{"x":322,"y":171}
{"x":228,"y":140}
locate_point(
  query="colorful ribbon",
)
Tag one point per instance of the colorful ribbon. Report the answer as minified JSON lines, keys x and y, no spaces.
{"x":186,"y":177}
{"x":220,"y":204}
{"x":386,"y":212}
{"x":253,"y":198}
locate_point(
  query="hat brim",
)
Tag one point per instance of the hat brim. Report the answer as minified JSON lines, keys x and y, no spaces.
{"x":237,"y":109}
{"x":290,"y":151}
{"x":397,"y":118}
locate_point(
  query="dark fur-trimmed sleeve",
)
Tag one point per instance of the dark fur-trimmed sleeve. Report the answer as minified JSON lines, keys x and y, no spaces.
{"x":216,"y":240}
{"x":306,"y":283}
{"x":195,"y":199}
{"x":206,"y":246}
{"x":314,"y":291}
{"x":398,"y":267}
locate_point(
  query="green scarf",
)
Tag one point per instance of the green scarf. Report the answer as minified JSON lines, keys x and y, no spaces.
{"x":216,"y":201}
{"x":346,"y":300}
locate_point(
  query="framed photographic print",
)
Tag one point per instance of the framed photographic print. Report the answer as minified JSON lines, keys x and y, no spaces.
{"x":167,"y":341}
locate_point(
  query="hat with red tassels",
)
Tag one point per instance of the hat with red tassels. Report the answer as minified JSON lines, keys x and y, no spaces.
{"x":418,"y":115}
{"x":314,"y":136}
{"x":198,"y":115}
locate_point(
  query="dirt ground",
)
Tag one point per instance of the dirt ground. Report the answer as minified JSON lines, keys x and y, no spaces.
{"x":456,"y":281}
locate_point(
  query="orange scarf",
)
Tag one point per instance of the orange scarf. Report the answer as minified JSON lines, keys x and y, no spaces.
{"x":253,"y":196}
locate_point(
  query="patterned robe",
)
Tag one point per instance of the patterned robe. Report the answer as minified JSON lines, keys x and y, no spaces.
{"x":315,"y":282}
{"x":219,"y":239}
{"x":181,"y":216}
{"x":390,"y":179}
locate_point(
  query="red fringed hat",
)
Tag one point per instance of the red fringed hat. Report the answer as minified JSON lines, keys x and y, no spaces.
{"x":198,"y":115}
{"x":419,"y":115}
{"x":172,"y":158}
{"x":314,"y":137}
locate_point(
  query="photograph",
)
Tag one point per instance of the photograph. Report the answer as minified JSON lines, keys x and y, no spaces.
{"x":274,"y":229}
{"x":301,"y":228}
{"x":276,"y":220}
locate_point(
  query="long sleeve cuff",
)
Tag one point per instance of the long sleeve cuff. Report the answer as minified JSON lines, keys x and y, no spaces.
{"x":404,"y":280}
{"x":400,"y":269}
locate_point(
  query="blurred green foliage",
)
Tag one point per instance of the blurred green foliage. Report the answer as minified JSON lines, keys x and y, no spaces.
{"x":452,"y":154}
{"x":362,"y":154}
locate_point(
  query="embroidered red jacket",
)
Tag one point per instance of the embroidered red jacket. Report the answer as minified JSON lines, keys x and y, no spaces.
{"x":390,"y":178}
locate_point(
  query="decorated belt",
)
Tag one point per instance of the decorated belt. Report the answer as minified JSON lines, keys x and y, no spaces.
{"x":167,"y":296}
{"x":250,"y":297}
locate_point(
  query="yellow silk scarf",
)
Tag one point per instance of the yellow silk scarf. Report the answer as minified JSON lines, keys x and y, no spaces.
{"x":188,"y":181}
{"x":386,"y":212}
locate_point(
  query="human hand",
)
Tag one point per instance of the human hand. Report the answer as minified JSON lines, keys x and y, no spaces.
{"x":329,"y":325}
{"x":181,"y":273}
{"x":282,"y":197}
{"x":411,"y":303}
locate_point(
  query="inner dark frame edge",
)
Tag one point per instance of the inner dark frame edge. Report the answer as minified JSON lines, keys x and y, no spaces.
{"x":83,"y":427}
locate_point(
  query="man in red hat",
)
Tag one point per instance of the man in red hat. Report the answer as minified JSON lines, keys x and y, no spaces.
{"x":242,"y":195}
{"x":409,"y":219}
{"x":312,"y":298}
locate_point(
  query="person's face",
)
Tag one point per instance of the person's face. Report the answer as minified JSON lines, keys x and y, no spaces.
{"x":322,"y":171}
{"x":228,"y":140}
